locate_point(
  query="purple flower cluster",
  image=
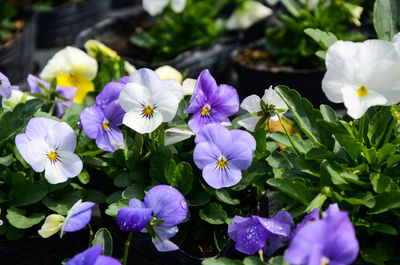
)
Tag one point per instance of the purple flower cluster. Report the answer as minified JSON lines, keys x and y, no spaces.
{"x":252,"y":233}
{"x":163,"y":208}
{"x":331,"y":240}
{"x":102,"y":121}
{"x":5,"y":86}
{"x":223,"y":154}
{"x":66,"y":92}
{"x":211,"y":103}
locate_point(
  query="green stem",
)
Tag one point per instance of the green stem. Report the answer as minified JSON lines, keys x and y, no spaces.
{"x":78,"y":136}
{"x":361,"y":129}
{"x":287,"y":133}
{"x":126,"y":249}
{"x":261,"y":254}
{"x":161,"y":135}
{"x":53,"y":106}
{"x":91,"y":234}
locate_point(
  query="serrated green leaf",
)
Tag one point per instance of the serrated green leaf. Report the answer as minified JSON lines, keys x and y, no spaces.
{"x":323,"y":38}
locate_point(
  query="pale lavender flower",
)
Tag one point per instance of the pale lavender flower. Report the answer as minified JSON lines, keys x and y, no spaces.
{"x":223,"y":154}
{"x":102,"y":121}
{"x":164,"y":207}
{"x":92,"y":256}
{"x":66,"y":92}
{"x":48,"y":145}
{"x":5,"y":86}
{"x":252,"y":233}
{"x":331,"y":240}
{"x":211,"y":103}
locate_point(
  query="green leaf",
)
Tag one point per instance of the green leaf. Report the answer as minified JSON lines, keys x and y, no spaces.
{"x":306,"y":117}
{"x":302,"y":145}
{"x":84,"y":176}
{"x":73,"y":113}
{"x":213,"y":214}
{"x":199,"y":195}
{"x":224,"y":195}
{"x":11,"y":122}
{"x":159,"y":163}
{"x":386,"y":18}
{"x":134,"y":191}
{"x":221,"y":261}
{"x":323,"y":38}
{"x":386,"y":152}
{"x":256,"y":171}
{"x":386,"y":201}
{"x":93,"y":196}
{"x":113,"y":208}
{"x":380,"y":183}
{"x":378,"y":125}
{"x":17,"y":218}
{"x":293,"y":7}
{"x":103,"y":237}
{"x":123,"y":180}
{"x":383,"y":228}
{"x":114,"y":197}
{"x":366,"y":199}
{"x":317,"y":202}
{"x":180,"y":176}
{"x":62,"y":201}
{"x":372,"y":255}
{"x":296,"y":190}
{"x":6,"y":160}
{"x":279,"y":260}
{"x":25,"y":192}
{"x":252,"y":260}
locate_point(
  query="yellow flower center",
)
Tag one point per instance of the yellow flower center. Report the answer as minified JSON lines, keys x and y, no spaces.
{"x":148,"y":111}
{"x":222,"y":162}
{"x":362,"y":91}
{"x":105,"y":125}
{"x":53,"y":156}
{"x":205,"y":111}
{"x":82,"y":84}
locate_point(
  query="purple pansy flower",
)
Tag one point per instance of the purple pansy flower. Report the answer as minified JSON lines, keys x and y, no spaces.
{"x":92,"y":256}
{"x":252,"y":233}
{"x":48,"y":145}
{"x":331,"y":240}
{"x":102,"y":121}
{"x":223,"y":154}
{"x":164,"y":207}
{"x":211,"y":103}
{"x":5,"y":86}
{"x":66,"y":92}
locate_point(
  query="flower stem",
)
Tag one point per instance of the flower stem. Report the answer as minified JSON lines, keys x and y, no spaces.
{"x":287,"y":133}
{"x":53,"y":106}
{"x":91,"y":234}
{"x":161,"y":135}
{"x":261,"y":254}
{"x":126,"y":249}
{"x":78,"y":136}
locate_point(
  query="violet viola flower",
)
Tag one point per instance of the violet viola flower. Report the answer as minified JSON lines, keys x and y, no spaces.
{"x":66,"y":92}
{"x":164,"y":207}
{"x":331,"y":240}
{"x":5,"y":86}
{"x":48,"y":145}
{"x":102,"y":121}
{"x":92,"y":256}
{"x":211,"y":103}
{"x":251,"y":234}
{"x":223,"y":154}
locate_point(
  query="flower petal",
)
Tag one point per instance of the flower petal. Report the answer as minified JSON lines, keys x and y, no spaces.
{"x":249,"y":123}
{"x":92,"y":119}
{"x":36,"y":154}
{"x":238,"y":223}
{"x":206,"y":153}
{"x":206,"y":83}
{"x":221,"y":178}
{"x":272,"y":98}
{"x":168,"y":204}
{"x":154,"y":7}
{"x":61,"y":137}
{"x":78,"y":216}
{"x":68,"y":166}
{"x":164,"y":245}
{"x":21,"y":141}
{"x":33,"y":83}
{"x":251,"y":239}
{"x":166,"y":103}
{"x":146,"y":78}
{"x":238,"y":154}
{"x":245,"y":137}
{"x":134,"y":120}
{"x":88,"y":256}
{"x":214,"y":133}
{"x":52,"y":225}
{"x":105,"y":260}
{"x":251,"y":104}
{"x":225,"y":100}
{"x":133,"y":219}
{"x":39,"y":127}
{"x":134,"y":96}
{"x":178,"y":5}
{"x":109,"y":93}
{"x":174,"y":87}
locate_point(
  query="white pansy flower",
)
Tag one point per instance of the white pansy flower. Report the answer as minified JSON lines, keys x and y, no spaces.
{"x":155,"y":7}
{"x":188,"y":86}
{"x":247,"y":14}
{"x":362,"y":75}
{"x":149,"y":101}
{"x":73,"y":68}
{"x":253,"y":105}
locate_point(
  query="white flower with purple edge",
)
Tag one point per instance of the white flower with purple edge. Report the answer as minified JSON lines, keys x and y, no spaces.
{"x":48,"y":145}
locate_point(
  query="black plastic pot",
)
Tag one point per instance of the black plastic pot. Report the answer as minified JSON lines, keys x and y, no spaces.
{"x":117,"y":4}
{"x":16,"y":59}
{"x":250,"y":80}
{"x":115,"y":33}
{"x":43,"y":251}
{"x":60,"y":25}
